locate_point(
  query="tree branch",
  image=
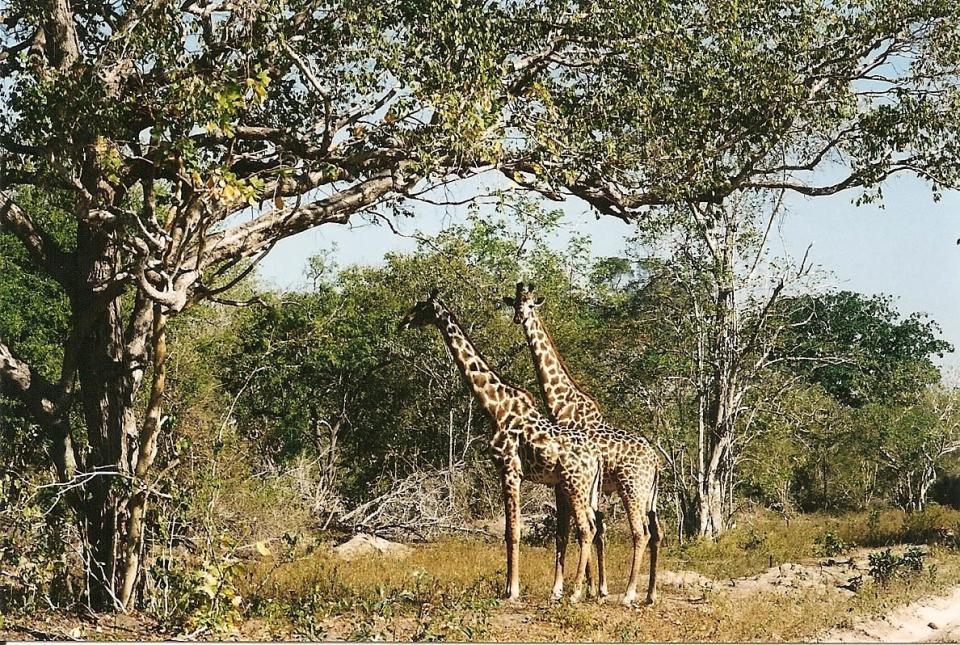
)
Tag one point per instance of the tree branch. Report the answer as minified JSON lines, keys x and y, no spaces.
{"x":43,"y":250}
{"x":249,"y":238}
{"x":60,"y":34}
{"x":20,"y":382}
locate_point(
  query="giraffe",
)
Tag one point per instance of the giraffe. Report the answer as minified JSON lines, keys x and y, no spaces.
{"x":630,"y":464}
{"x":525,"y":444}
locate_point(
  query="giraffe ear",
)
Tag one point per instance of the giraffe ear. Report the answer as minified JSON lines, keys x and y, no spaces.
{"x":508,"y":301}
{"x":539,"y":301}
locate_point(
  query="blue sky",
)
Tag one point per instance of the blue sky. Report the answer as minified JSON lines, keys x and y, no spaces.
{"x":906,"y":247}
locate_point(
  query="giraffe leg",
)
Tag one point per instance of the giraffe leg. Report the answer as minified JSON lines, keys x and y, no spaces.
{"x":563,"y":537}
{"x":511,"y":533}
{"x":639,"y":532}
{"x":655,"y":537}
{"x":600,"y":542}
{"x":586,"y":529}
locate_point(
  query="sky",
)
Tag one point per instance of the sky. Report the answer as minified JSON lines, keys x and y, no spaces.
{"x":905,"y":247}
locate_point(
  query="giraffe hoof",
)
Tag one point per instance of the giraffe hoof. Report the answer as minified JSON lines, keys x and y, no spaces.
{"x":557,"y":594}
{"x":575,"y":597}
{"x":628,"y":599}
{"x":511,"y":597}
{"x":650,"y":600}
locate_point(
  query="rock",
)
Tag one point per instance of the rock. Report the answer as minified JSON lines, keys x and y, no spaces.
{"x":933,"y":626}
{"x":685,"y":579}
{"x":363,"y":544}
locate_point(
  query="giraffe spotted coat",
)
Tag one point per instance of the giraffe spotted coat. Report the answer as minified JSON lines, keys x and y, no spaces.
{"x":630,"y":465}
{"x":525,"y":444}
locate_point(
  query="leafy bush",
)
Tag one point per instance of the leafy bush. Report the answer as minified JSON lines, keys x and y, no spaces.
{"x":752,"y":540}
{"x":912,"y":559}
{"x":831,"y":544}
{"x":36,"y":568}
{"x":926,"y":526}
{"x":203,"y":598}
{"x":542,"y":531}
{"x":884,"y":565}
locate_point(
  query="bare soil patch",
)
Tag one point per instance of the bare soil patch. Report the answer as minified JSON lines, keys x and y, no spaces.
{"x":927,"y":620}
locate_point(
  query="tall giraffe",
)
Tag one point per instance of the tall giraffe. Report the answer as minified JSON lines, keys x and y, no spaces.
{"x":525,"y":444}
{"x":630,"y":464}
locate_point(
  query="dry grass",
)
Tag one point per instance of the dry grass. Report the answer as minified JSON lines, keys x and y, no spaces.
{"x":448,"y":589}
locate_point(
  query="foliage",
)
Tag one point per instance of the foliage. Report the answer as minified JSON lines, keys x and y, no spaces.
{"x":542,"y":531}
{"x":831,"y":544}
{"x":884,"y":359}
{"x":884,"y":565}
{"x":203,"y":595}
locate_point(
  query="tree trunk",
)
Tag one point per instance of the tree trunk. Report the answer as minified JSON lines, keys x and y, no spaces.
{"x":146,"y":453}
{"x":108,"y":378}
{"x":927,"y":480}
{"x":714,"y":492}
{"x":710,"y":509}
{"x":717,"y":437}
{"x":107,"y":401}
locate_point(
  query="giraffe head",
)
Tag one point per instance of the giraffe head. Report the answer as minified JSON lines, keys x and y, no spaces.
{"x":424,"y":312}
{"x":523,"y":303}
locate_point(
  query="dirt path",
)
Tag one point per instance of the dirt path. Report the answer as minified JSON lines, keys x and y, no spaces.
{"x":934,"y":620}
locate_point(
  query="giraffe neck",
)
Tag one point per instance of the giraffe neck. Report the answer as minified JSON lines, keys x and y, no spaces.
{"x":493,"y":393}
{"x":563,"y":396}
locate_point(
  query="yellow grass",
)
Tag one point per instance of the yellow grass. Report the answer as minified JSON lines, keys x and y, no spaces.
{"x":448,"y":589}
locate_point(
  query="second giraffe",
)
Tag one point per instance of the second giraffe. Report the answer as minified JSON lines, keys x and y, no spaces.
{"x":630,"y":464}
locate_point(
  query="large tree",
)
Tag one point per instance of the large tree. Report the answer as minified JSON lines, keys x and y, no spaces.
{"x":184,"y":136}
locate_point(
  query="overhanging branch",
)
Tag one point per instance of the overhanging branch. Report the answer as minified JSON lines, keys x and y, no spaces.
{"x":251,"y":237}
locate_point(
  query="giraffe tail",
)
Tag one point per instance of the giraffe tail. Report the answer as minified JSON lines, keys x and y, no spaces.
{"x":595,"y":490}
{"x":653,"y":522}
{"x":653,"y":493}
{"x":595,"y":487}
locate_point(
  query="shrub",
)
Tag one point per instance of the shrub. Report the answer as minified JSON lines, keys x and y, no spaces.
{"x":883,"y":566}
{"x":542,"y":531}
{"x":912,"y":559}
{"x":926,"y":526}
{"x":201,"y":598}
{"x":752,"y":540}
{"x":831,"y":544}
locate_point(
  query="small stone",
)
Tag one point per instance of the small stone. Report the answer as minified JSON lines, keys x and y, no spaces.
{"x":932,"y":625}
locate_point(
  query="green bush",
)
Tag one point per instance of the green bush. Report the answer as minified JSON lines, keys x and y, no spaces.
{"x":831,"y":545}
{"x":883,"y":566}
{"x":912,"y":559}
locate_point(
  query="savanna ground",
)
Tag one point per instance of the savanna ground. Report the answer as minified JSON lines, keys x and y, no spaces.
{"x":447,"y":589}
